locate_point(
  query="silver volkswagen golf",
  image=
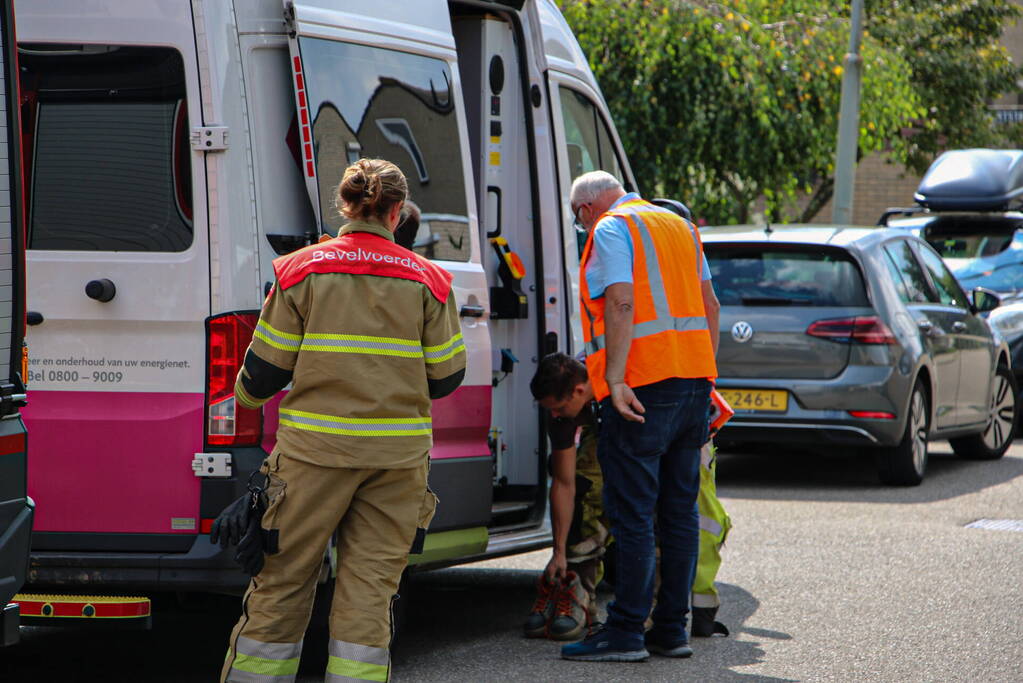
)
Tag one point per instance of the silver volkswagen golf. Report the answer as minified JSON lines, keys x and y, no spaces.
{"x":856,"y":337}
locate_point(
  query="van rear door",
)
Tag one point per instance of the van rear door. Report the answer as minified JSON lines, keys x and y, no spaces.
{"x":118,"y":284}
{"x":15,"y":506}
{"x":369,"y":85}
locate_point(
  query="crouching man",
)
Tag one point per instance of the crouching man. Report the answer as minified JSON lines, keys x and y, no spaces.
{"x":566,"y":592}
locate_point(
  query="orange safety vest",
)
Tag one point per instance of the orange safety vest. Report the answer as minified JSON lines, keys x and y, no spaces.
{"x":670,"y":337}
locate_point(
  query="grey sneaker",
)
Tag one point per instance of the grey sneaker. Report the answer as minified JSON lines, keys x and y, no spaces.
{"x":543,"y":608}
{"x":668,"y":648}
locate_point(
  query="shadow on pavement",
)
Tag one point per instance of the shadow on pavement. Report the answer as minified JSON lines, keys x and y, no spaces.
{"x":465,"y":624}
{"x":851,"y":477}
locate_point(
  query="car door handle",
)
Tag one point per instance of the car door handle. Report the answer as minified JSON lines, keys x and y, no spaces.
{"x":958,"y":326}
{"x":926,"y":326}
{"x":471,"y":311}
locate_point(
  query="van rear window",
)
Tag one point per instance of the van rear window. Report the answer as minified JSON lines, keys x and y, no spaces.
{"x":758,"y":276}
{"x":371,"y":102}
{"x":109,"y":159}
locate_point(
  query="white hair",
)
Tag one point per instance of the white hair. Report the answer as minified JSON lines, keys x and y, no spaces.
{"x":589,"y":187}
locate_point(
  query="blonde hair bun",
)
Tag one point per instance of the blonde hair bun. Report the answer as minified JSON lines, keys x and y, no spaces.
{"x":369,"y":188}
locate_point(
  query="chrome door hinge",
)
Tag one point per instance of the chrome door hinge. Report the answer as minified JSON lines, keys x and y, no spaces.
{"x":209,"y":138}
{"x":212,"y":464}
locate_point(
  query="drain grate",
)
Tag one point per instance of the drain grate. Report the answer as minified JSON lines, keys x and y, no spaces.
{"x":997,"y":524}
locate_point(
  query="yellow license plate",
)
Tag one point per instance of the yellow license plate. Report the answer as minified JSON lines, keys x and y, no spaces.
{"x":757,"y":400}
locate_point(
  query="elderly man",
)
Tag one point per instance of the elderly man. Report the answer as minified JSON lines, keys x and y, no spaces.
{"x":650,"y":326}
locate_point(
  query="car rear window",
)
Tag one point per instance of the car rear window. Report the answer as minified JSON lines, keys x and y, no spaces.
{"x":758,"y":276}
{"x":971,"y":237}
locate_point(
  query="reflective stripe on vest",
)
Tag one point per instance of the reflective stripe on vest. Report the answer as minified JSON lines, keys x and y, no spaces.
{"x":664,"y":321}
{"x":355,"y":426}
{"x":257,"y":662}
{"x":663,"y":345}
{"x":354,"y":662}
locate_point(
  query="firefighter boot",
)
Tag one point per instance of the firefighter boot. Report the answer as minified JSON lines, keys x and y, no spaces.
{"x":571,"y":613}
{"x":536,"y":622}
{"x":704,"y":625}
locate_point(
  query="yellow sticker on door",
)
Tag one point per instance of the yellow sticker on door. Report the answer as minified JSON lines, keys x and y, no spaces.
{"x":495,"y":158}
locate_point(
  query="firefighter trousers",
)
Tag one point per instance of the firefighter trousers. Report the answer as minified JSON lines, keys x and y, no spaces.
{"x":376,"y":513}
{"x":714,"y":526}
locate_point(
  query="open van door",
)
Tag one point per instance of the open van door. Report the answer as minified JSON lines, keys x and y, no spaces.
{"x":15,"y":506}
{"x":369,"y":86}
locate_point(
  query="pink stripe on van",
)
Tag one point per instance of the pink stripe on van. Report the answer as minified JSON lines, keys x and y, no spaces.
{"x":114,"y":462}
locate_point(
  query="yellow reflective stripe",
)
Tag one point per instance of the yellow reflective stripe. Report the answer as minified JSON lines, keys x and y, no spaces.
{"x":355,"y":432}
{"x":445,"y":351}
{"x":447,"y":356}
{"x":244,"y":399}
{"x":355,"y":426}
{"x":441,"y":347}
{"x":265,"y":667}
{"x":357,"y":420}
{"x":363,"y":343}
{"x":365,"y":338}
{"x":340,"y":666}
{"x":286,"y":341}
{"x":361,"y":349}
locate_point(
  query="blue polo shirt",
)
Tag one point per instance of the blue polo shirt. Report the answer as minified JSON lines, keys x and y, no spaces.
{"x":611,"y":258}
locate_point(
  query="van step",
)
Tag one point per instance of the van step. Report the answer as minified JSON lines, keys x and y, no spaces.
{"x":56,"y":610}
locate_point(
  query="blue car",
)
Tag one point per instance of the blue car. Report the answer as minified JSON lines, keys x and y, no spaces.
{"x":970,"y":209}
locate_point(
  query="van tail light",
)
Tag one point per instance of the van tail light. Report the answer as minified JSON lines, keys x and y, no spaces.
{"x":227,"y":423}
{"x":864,"y":329}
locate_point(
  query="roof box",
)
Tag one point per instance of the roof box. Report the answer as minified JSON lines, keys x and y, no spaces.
{"x":973,"y":180}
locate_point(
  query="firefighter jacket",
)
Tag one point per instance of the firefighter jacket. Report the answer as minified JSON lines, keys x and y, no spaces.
{"x":367,"y":333}
{"x":670,"y":337}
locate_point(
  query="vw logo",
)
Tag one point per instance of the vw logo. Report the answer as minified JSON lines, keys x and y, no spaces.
{"x":742,"y":331}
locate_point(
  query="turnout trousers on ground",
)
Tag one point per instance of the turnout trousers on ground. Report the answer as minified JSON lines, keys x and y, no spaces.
{"x":652,"y":472}
{"x":589,"y":535}
{"x":376,"y":513}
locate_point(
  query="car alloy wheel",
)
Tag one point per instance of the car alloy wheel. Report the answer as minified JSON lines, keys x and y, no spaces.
{"x":1002,"y":415}
{"x":995,"y":439}
{"x":905,"y":463}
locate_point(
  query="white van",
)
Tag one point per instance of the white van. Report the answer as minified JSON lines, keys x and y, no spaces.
{"x":173,"y":149}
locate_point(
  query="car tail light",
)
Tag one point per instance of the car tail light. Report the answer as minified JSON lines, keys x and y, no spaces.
{"x":227,"y":423}
{"x":864,"y":329}
{"x":872,"y":414}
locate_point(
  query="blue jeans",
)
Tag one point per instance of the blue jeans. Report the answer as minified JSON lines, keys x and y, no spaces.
{"x":652,"y":472}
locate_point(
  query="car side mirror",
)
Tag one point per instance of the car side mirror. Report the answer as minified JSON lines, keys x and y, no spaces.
{"x":984,"y":300}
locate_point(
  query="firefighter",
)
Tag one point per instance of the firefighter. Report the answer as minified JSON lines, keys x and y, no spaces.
{"x":579,"y":525}
{"x":367,"y":333}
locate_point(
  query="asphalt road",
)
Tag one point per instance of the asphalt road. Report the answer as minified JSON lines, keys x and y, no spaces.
{"x":827,"y":576}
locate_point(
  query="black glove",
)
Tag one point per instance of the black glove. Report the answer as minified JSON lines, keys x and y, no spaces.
{"x":231,"y":524}
{"x":250,"y":548}
{"x":240,"y":524}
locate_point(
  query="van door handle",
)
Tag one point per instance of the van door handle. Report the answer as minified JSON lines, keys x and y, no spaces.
{"x":958,"y":326}
{"x":471,"y":311}
{"x":33,"y":317}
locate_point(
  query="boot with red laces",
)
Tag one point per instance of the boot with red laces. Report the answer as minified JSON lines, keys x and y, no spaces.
{"x":543,"y":608}
{"x":571,"y":616}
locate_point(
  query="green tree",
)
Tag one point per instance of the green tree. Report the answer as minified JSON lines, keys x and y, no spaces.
{"x":957,"y":66}
{"x":725,"y":104}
